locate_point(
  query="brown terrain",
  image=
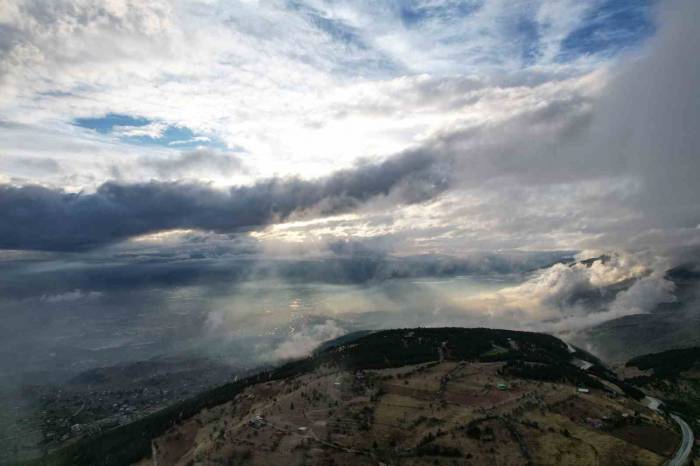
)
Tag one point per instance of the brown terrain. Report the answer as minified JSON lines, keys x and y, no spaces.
{"x":452,"y":413}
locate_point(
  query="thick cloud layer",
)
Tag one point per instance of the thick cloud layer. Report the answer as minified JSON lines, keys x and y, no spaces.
{"x":40,"y":218}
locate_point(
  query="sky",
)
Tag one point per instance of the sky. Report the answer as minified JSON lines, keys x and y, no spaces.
{"x":165,"y":141}
{"x":443,"y":125}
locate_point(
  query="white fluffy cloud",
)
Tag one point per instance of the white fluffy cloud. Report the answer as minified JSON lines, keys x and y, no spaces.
{"x":568,"y":298}
{"x":301,"y":343}
{"x":301,"y":87}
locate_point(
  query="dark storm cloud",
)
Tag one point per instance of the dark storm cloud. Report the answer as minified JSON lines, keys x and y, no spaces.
{"x":39,"y":218}
{"x":351,"y":263}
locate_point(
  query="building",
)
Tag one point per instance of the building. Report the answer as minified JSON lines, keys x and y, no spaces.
{"x":257,"y":422}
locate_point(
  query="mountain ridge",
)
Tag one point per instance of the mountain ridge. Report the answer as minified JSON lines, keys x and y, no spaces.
{"x":528,"y":359}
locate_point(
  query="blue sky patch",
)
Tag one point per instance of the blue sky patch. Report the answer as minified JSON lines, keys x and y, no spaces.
{"x":105,"y":124}
{"x":527,"y":34}
{"x":360,"y":57}
{"x":134,"y":130}
{"x":613,"y":25}
{"x":413,"y":13}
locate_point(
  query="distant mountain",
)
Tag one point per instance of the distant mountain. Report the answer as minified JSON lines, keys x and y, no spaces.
{"x":409,"y":396}
{"x":604,"y":259}
{"x":670,"y":325}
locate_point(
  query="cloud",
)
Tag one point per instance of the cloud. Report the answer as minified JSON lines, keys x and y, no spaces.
{"x":641,"y":298}
{"x":50,"y":219}
{"x":153,"y":130}
{"x":302,"y":343}
{"x":306,"y":86}
{"x":31,"y":166}
{"x":567,"y":298}
{"x":196,"y":139}
{"x":196,"y":164}
{"x":71,"y":296}
{"x":543,"y":163}
{"x":604,"y":160}
{"x":644,"y":296}
{"x":218,"y":262}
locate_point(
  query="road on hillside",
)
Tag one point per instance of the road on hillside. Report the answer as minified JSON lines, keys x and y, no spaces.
{"x":683,"y":453}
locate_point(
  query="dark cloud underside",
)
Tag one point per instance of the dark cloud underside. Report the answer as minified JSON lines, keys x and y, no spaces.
{"x":39,"y":218}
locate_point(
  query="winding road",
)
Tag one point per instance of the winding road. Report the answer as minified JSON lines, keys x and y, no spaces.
{"x":683,"y":453}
